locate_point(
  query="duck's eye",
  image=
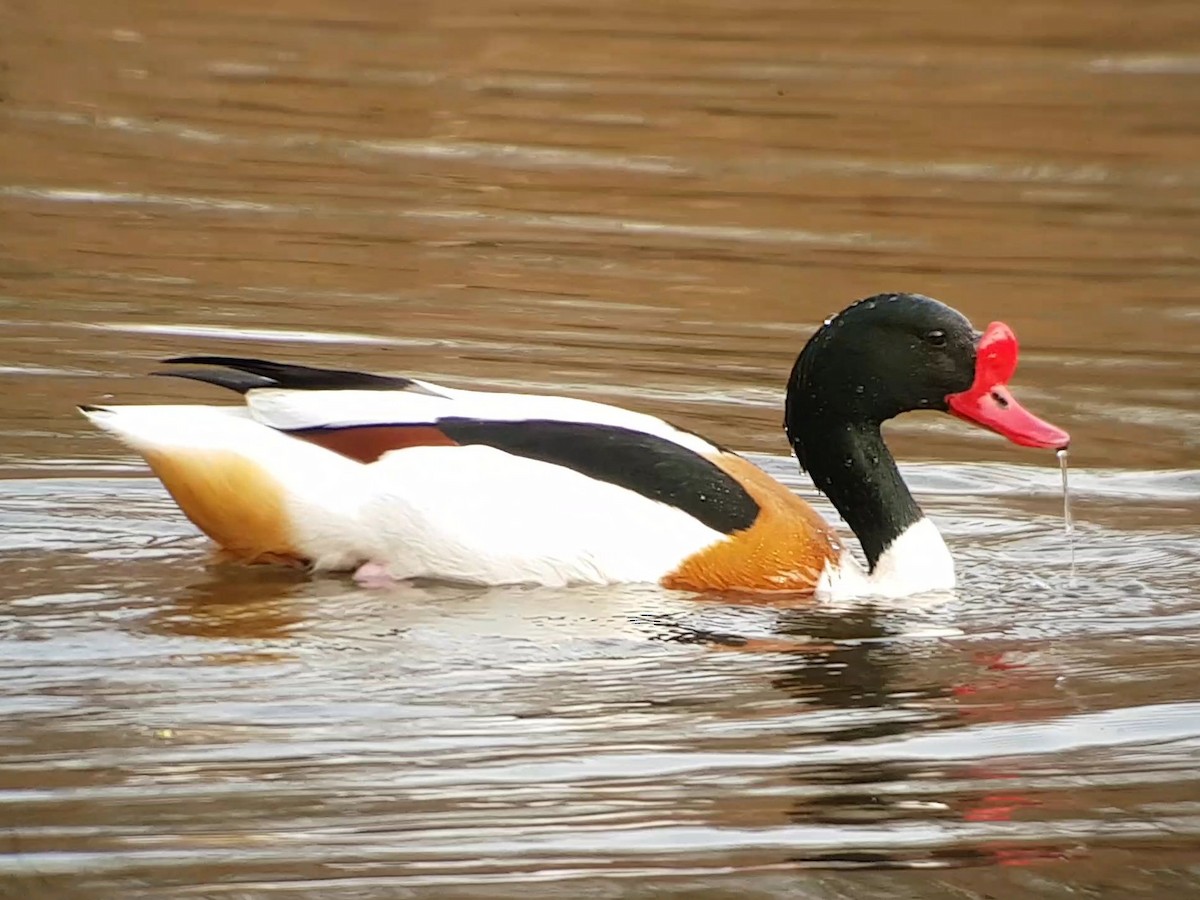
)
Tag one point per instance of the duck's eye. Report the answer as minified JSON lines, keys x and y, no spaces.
{"x":936,"y":338}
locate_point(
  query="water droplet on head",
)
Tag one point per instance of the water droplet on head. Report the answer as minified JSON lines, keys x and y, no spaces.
{"x":870,"y":304}
{"x":829,"y":321}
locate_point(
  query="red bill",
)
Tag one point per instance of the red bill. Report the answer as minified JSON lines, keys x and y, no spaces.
{"x":988,"y":402}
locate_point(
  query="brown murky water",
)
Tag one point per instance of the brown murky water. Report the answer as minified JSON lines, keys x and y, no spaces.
{"x":647,"y":203}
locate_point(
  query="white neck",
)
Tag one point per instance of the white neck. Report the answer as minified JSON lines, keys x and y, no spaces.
{"x":916,"y":562}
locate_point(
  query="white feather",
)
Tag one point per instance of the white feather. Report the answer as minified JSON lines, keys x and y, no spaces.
{"x":916,"y":562}
{"x":291,"y":409}
{"x":163,"y":427}
{"x":481,"y":515}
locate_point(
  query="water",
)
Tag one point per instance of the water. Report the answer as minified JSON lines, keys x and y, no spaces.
{"x":653,"y":207}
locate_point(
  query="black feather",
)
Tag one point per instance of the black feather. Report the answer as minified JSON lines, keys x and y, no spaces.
{"x":260,"y":373}
{"x":652,"y":466}
{"x":235,"y":381}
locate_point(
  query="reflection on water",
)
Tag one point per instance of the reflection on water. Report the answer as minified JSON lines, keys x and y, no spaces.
{"x":653,"y":206}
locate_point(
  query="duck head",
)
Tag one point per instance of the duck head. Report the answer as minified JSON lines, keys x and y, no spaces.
{"x":893,"y":353}
{"x":881,"y":357}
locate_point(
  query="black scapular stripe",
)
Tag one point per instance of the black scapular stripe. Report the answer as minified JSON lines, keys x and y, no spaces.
{"x":654,"y":467}
{"x":250,"y":374}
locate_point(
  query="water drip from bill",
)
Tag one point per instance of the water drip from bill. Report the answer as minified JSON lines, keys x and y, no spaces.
{"x":1068,"y":521}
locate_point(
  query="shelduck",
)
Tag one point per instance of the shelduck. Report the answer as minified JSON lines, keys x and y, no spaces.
{"x":399,"y":478}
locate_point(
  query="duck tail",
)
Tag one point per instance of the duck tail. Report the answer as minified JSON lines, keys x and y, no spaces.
{"x":260,"y":494}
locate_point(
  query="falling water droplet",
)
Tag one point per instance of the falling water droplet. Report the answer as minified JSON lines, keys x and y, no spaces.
{"x":1068,"y":521}
{"x":859,"y":389}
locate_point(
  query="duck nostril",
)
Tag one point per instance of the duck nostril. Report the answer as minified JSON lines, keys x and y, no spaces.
{"x":1001,"y":400}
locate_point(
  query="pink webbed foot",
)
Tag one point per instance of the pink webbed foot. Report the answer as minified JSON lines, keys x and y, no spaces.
{"x":374,"y":575}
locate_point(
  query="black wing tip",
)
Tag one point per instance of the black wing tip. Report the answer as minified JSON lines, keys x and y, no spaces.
{"x":242,"y":382}
{"x":283,"y":375}
{"x":229,"y":361}
{"x":242,"y":379}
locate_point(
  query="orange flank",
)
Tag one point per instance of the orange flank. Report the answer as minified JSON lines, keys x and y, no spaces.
{"x":366,"y":443}
{"x":785,"y":549}
{"x":234,"y":501}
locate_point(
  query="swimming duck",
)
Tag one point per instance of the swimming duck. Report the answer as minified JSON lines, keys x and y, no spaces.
{"x":390,"y":476}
